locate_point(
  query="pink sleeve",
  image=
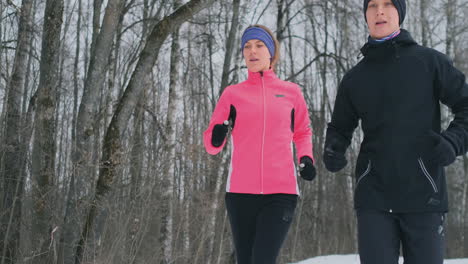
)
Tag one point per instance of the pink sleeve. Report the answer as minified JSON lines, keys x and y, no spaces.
{"x":220,"y":114}
{"x":302,"y":131}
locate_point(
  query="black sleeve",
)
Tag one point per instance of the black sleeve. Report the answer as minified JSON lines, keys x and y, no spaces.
{"x":453,"y":92}
{"x":344,"y":121}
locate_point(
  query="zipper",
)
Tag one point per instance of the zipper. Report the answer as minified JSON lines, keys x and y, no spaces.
{"x":364,"y":174}
{"x":428,"y":176}
{"x":263,"y":133}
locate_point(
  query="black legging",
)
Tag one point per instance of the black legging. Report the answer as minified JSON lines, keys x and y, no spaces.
{"x":259,"y":225}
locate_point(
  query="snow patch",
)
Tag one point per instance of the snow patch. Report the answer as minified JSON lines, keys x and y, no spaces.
{"x":354,"y":259}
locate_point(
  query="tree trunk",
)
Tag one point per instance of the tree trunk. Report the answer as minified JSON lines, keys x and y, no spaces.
{"x":230,"y":45}
{"x":280,"y":20}
{"x":86,"y":122}
{"x":98,"y":66}
{"x":424,"y":22}
{"x":465,"y":207}
{"x":97,"y":4}
{"x":65,"y":254}
{"x":43,"y":153}
{"x":136,"y":161}
{"x":188,"y":136}
{"x":13,"y":179}
{"x":174,"y":112}
{"x":450,"y":10}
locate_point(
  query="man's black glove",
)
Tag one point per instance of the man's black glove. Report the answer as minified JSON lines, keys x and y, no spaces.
{"x":438,"y":149}
{"x":335,"y":149}
{"x":307,"y":169}
{"x":219,"y":134}
{"x":334,"y":160}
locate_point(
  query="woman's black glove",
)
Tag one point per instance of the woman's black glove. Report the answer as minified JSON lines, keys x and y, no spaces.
{"x":219,"y":134}
{"x":307,"y":169}
{"x":438,"y":149}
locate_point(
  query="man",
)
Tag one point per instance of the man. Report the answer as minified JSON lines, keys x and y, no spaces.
{"x":395,"y":90}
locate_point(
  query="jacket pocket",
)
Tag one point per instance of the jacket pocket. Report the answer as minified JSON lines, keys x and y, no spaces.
{"x":428,"y":175}
{"x":364,"y":174}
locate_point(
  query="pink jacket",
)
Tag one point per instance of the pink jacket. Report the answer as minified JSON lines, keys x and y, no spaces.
{"x":262,"y":150}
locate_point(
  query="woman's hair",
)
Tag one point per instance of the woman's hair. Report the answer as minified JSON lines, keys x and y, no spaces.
{"x":276,"y":56}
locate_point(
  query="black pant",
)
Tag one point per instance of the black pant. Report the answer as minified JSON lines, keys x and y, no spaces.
{"x":259,"y":225}
{"x":380,"y":233}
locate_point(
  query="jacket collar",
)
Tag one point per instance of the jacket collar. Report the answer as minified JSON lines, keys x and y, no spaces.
{"x":382,"y":49}
{"x":257,"y":76}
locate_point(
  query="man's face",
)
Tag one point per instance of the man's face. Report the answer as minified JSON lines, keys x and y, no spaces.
{"x":382,"y":18}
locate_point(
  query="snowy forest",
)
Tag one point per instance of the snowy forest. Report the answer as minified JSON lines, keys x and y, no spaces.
{"x":103,"y":105}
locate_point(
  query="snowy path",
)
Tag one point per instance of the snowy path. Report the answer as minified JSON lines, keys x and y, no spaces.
{"x":354,"y":259}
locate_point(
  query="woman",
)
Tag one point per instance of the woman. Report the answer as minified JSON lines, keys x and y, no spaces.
{"x":265,"y":116}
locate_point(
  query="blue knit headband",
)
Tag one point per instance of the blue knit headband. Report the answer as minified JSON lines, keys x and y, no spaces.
{"x":260,"y":34}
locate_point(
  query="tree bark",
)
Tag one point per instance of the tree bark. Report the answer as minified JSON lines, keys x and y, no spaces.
{"x":424,"y":22}
{"x":43,"y":153}
{"x":97,"y":4}
{"x":174,"y":112}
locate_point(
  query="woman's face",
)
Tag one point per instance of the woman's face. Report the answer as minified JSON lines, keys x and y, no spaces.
{"x":382,"y":18}
{"x":256,"y":55}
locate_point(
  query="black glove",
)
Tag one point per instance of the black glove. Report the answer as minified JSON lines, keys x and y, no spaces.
{"x":438,"y":149}
{"x":334,"y":160}
{"x":219,"y":134}
{"x":335,"y":149}
{"x":307,"y":169}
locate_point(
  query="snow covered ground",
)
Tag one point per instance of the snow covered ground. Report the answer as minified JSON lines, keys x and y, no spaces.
{"x":354,"y":259}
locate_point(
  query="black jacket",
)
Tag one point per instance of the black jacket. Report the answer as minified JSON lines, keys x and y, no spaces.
{"x":395,"y":92}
